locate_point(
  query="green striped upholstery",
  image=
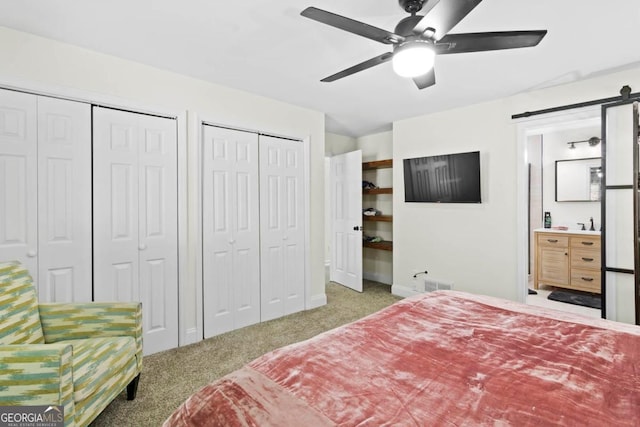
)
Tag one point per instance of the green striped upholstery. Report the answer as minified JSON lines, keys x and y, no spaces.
{"x":19,"y":319}
{"x":36,"y":374}
{"x":97,"y":358}
{"x":64,"y":321}
{"x":92,"y":351}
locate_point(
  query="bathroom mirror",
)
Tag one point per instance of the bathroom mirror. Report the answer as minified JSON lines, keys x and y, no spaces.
{"x":578,"y":180}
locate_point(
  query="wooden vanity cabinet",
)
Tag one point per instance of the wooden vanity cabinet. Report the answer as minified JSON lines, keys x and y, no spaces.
{"x":567,"y":260}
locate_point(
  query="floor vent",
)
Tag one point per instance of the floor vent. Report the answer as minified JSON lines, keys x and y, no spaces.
{"x":431,"y":284}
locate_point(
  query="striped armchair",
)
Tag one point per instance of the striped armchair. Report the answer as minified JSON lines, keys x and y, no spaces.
{"x":78,"y":355}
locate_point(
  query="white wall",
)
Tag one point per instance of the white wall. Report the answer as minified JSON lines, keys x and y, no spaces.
{"x":476,"y":246}
{"x":555,"y":148}
{"x":34,"y":62}
{"x":338,"y":144}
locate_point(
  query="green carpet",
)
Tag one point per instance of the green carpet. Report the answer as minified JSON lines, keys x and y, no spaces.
{"x":170,"y":377}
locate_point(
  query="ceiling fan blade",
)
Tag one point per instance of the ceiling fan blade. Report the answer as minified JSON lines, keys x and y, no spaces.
{"x":425,"y":80}
{"x":477,"y":42}
{"x":352,"y":26}
{"x":381,"y":59}
{"x":443,"y":16}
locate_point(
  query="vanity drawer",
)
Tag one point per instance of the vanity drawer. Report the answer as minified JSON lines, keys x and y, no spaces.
{"x":587,"y":280}
{"x":553,"y":240}
{"x":585,"y":258}
{"x":592,"y":242}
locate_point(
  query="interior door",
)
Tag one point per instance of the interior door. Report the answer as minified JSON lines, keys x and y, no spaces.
{"x":230,"y":230}
{"x":64,"y":201}
{"x":135,"y":219}
{"x":346,"y":214}
{"x":620,"y":277}
{"x":115,"y":205}
{"x":18,"y":179}
{"x":158,"y":231}
{"x":282,"y":237}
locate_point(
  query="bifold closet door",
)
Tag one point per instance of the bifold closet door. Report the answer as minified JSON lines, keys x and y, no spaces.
{"x":230,"y":230}
{"x":135,"y":218}
{"x":45,"y":192}
{"x":281,"y":227}
{"x":19,"y":179}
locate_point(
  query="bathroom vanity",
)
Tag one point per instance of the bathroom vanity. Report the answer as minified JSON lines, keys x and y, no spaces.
{"x":567,"y":259}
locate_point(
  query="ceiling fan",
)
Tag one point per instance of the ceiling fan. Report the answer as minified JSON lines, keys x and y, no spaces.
{"x":417,"y":39}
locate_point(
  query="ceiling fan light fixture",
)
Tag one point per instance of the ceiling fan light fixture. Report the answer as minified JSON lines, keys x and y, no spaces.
{"x":413,"y":58}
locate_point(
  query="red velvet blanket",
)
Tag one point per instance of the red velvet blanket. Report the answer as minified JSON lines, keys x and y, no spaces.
{"x":444,"y":358}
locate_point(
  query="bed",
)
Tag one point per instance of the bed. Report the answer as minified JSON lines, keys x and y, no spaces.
{"x":442,"y":358}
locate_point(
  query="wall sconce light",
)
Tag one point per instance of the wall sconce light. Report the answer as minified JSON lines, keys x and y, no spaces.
{"x":593,"y":141}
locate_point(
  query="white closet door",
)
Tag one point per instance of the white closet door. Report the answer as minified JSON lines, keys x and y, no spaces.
{"x":18,"y":179}
{"x":230,"y":217}
{"x":282,"y":227}
{"x":135,"y":219}
{"x":64,"y":200}
{"x":115,"y":206}
{"x":158,"y":232}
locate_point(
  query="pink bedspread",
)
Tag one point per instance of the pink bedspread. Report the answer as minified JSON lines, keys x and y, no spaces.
{"x":444,"y":358}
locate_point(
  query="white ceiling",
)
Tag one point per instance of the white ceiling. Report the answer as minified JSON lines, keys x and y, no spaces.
{"x":266,"y":47}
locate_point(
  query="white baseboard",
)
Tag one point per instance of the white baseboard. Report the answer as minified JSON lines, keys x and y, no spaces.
{"x":403,"y":291}
{"x":317,"y":301}
{"x":377,"y":277}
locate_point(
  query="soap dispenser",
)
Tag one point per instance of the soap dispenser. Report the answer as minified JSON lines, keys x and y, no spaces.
{"x":547,"y":220}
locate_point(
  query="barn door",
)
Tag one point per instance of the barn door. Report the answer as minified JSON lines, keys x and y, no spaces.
{"x":621,"y":271}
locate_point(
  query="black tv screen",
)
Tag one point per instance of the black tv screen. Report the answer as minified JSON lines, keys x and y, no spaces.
{"x":452,"y":178}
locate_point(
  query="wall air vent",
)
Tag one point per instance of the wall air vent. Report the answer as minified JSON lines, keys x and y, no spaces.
{"x":431,"y":284}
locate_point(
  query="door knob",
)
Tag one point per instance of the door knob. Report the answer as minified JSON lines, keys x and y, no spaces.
{"x":32,"y":253}
{"x":142,"y":246}
{"x":231,"y":241}
{"x":285,"y":238}
{"x":357,"y":228}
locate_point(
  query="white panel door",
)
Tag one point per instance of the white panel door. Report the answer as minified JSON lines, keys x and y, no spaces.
{"x":346,"y":206}
{"x":135,"y":219}
{"x":115,"y":206}
{"x":281,"y":227}
{"x":18,"y":179}
{"x":230,"y":230}
{"x":158,"y":231}
{"x":64,"y":201}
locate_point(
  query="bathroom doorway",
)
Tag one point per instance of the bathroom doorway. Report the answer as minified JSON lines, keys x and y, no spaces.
{"x":552,"y":150}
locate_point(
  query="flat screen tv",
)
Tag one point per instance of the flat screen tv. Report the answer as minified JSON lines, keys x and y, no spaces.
{"x":452,"y":178}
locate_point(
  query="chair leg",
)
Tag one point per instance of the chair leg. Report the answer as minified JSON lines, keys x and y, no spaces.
{"x":132,"y":388}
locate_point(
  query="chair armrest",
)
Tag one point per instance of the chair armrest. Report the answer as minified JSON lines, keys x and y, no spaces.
{"x":68,"y":321}
{"x":37,"y":374}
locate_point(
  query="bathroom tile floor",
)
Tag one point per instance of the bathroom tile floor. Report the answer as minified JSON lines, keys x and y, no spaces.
{"x":541,"y":300}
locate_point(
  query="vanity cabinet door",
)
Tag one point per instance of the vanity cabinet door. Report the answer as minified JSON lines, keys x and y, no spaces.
{"x":553,"y":265}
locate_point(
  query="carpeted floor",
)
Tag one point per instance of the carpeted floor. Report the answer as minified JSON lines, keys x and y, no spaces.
{"x":168,"y":378}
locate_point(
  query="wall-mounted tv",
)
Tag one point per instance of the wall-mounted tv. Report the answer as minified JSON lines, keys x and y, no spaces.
{"x":452,"y":178}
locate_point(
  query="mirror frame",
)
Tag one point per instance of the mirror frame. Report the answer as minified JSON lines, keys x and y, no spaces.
{"x":557,"y":178}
